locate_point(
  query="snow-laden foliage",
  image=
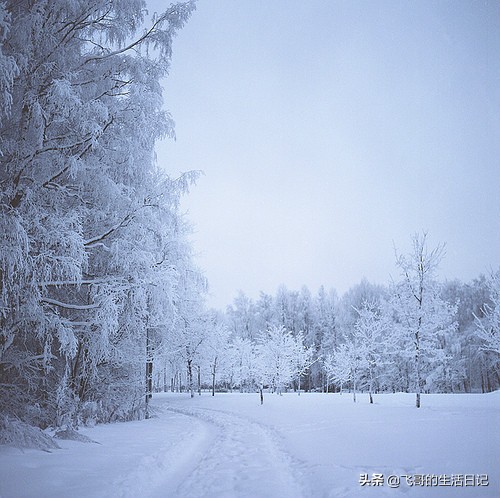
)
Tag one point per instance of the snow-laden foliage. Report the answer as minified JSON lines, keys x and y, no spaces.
{"x":216,"y":349}
{"x":276,"y":355}
{"x":8,"y":67}
{"x":370,"y":338}
{"x":280,"y":357}
{"x":489,"y":325}
{"x":21,"y":435}
{"x":338,"y":365}
{"x":422,"y":316}
{"x":91,"y":236}
{"x":240,"y":371}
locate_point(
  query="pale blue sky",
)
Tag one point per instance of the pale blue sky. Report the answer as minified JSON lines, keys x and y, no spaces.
{"x":330,"y":130}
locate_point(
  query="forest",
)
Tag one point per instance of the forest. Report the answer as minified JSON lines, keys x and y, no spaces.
{"x":101,"y":301}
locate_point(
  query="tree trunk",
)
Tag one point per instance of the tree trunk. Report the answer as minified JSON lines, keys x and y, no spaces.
{"x":149,"y":373}
{"x":213,"y":376}
{"x":261,"y":392}
{"x":199,"y":380}
{"x":190,"y":377}
{"x":417,"y":364}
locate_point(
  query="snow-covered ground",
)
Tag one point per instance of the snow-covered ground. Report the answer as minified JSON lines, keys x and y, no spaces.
{"x":314,"y":445}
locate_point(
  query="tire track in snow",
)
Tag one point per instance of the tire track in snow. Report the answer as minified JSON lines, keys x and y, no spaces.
{"x":244,"y":461}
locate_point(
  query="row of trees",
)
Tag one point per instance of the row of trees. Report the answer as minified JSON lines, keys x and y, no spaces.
{"x":95,"y":268}
{"x":416,"y":334}
{"x":211,"y":356}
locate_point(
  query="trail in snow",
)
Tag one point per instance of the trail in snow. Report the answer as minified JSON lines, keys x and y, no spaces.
{"x":158,"y":473}
{"x":133,"y":459}
{"x":231,"y":446}
{"x":244,"y":460}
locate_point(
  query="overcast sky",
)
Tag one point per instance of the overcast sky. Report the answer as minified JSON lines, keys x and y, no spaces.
{"x":331,"y":131}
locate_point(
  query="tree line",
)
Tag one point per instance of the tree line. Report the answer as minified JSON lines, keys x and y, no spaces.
{"x":415,"y":334}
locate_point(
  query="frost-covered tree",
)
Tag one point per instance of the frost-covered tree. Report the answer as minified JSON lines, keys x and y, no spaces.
{"x":303,"y":358}
{"x":281,"y":358}
{"x":191,"y":328}
{"x":325,"y":304}
{"x":89,"y":225}
{"x":480,"y":366}
{"x":241,"y":317}
{"x":488,"y":327}
{"x":277,"y":350}
{"x":240,"y":369}
{"x":338,"y":365}
{"x":306,"y":316}
{"x":216,"y":348}
{"x":306,"y":321}
{"x":422,"y":316}
{"x":354,"y":300}
{"x":264,"y":311}
{"x":371,"y":340}
{"x":459,"y":371}
{"x":286,"y":309}
{"x":487,"y":335}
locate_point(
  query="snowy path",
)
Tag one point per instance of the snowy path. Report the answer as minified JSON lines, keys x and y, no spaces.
{"x":244,"y":460}
{"x":230,"y":446}
{"x":158,"y":474}
{"x":133,"y":459}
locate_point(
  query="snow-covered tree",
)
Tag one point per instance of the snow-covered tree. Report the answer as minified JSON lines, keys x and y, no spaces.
{"x":241,"y":317}
{"x":87,"y":220}
{"x":191,"y":329}
{"x":286,"y":312}
{"x":276,"y":363}
{"x":303,"y":358}
{"x":325,"y":304}
{"x":480,"y":365}
{"x":488,"y":327}
{"x":276,"y":348}
{"x":264,"y":307}
{"x":325,"y":319}
{"x":240,"y":370}
{"x":422,"y":315}
{"x":353,"y":300}
{"x":370,"y":338}
{"x":216,"y":348}
{"x":338,"y":365}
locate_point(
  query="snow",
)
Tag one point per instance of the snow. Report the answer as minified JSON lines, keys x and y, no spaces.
{"x":309,"y":445}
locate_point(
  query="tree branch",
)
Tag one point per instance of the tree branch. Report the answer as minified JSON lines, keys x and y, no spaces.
{"x":69,"y":306}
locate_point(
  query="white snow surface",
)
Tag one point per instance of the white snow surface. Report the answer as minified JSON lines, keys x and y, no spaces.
{"x":312,"y":445}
